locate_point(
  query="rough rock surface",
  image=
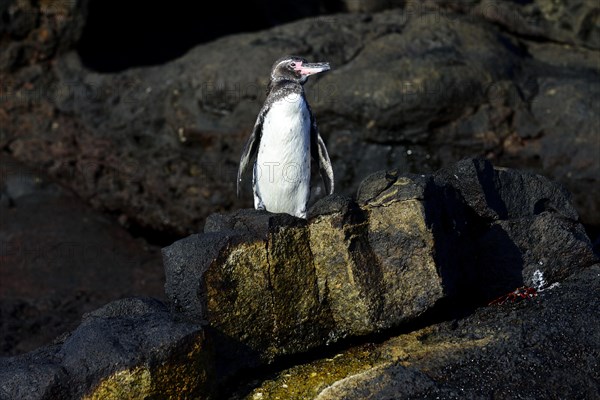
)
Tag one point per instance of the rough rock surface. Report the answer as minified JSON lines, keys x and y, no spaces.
{"x":35,"y":32}
{"x":540,"y":348}
{"x":59,"y":259}
{"x":417,"y":88}
{"x":413,"y":250}
{"x":131,"y":348}
{"x":353,"y":269}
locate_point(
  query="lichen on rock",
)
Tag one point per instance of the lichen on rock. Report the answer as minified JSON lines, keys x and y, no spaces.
{"x":273,"y":285}
{"x":492,"y":352}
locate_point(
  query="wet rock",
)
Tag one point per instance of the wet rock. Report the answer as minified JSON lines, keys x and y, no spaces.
{"x":129,"y":348}
{"x":412,"y":241}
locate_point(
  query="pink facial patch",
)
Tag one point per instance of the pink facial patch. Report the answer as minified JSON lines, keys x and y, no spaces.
{"x":298,"y":66}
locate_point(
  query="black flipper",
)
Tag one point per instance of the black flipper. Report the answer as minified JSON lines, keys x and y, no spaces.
{"x":319,"y":153}
{"x":251,"y":147}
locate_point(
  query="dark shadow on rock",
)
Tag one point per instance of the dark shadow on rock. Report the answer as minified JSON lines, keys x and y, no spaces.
{"x":499,"y":226}
{"x":476,"y":260}
{"x":593,"y":233}
{"x":497,"y":265}
{"x":234,"y":358}
{"x":475,"y":182}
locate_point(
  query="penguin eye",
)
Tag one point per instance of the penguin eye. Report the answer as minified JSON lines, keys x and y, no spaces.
{"x":293,"y":64}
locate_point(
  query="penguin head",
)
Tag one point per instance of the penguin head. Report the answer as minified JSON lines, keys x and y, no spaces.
{"x":296,"y":69}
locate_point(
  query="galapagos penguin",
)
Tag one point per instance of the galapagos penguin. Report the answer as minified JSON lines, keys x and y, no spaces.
{"x":284,"y":138}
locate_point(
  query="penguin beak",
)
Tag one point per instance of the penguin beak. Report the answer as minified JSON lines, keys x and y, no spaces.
{"x":307,"y":69}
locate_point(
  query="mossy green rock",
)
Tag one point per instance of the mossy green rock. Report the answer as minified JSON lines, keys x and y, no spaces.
{"x":271,"y":285}
{"x":263,"y":292}
{"x":528,"y":349}
{"x":280,"y":285}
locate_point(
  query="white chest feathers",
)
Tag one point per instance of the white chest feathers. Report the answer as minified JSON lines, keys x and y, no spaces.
{"x":282,"y":169}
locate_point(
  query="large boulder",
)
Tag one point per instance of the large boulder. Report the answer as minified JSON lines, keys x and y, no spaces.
{"x":470,"y":231}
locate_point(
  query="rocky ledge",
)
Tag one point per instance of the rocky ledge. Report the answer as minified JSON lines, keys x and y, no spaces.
{"x":410,"y":263}
{"x":277,"y":285}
